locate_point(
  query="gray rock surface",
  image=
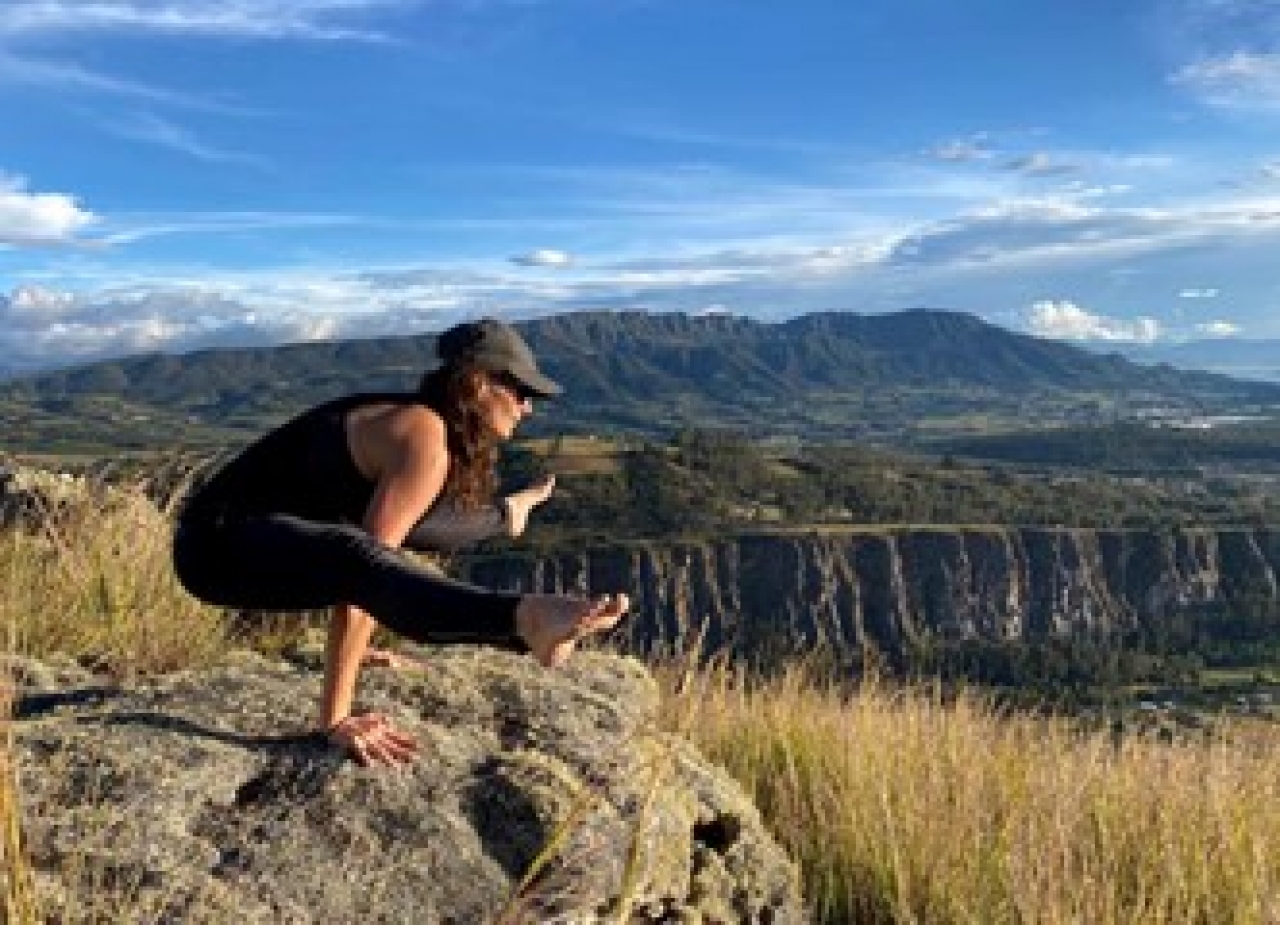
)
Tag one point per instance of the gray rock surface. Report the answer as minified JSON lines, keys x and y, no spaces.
{"x":198,"y":797}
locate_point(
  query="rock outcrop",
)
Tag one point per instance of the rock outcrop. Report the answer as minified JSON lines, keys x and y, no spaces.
{"x":841,"y":589}
{"x":186,"y":799}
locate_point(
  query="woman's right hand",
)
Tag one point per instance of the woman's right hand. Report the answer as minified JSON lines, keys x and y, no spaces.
{"x":372,"y":740}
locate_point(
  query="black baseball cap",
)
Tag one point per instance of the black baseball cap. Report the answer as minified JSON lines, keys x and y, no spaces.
{"x":497,"y":347}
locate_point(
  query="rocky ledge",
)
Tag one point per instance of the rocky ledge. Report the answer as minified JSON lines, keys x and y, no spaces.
{"x":191,"y":798}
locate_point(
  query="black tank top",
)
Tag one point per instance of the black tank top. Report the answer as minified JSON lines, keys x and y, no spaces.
{"x":304,"y":468}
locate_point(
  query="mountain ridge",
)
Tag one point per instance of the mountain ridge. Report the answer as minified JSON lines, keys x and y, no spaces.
{"x":828,"y":373}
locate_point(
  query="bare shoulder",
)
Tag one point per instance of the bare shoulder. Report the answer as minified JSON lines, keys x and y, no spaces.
{"x":390,"y":437}
{"x":416,"y":425}
{"x":416,"y":440}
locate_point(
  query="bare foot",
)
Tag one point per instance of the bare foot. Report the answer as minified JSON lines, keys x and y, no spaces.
{"x":552,"y":624}
{"x":520,"y":504}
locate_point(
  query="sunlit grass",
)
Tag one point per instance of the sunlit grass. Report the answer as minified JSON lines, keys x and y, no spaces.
{"x":93,"y":581}
{"x":902,"y":808}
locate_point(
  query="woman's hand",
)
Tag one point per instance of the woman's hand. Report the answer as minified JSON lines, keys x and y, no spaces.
{"x":373,"y":741}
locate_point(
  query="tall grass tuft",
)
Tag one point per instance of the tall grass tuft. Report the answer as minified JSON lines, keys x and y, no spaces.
{"x":900,"y":807}
{"x":90,"y":578}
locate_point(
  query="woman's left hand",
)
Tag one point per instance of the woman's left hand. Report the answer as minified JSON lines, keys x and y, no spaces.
{"x":372,"y":740}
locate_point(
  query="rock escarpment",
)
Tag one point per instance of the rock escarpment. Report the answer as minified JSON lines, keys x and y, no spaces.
{"x":187,"y":800}
{"x":778,"y":592}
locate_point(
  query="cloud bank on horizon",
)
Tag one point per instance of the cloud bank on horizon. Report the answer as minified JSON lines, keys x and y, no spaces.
{"x":190,"y":175}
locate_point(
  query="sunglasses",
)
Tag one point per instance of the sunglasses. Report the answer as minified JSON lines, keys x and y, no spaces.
{"x":517,"y":388}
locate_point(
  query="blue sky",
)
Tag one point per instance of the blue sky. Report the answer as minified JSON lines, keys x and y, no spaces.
{"x":178,"y":174}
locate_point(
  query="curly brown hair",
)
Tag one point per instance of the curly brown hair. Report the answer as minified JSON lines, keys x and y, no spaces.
{"x":453,"y":392}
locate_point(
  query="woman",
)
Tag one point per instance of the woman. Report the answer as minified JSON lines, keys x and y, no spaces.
{"x":314,"y":513}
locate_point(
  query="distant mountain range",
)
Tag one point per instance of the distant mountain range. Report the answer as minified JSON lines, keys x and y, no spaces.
{"x":830,"y":374}
{"x":1247,"y":359}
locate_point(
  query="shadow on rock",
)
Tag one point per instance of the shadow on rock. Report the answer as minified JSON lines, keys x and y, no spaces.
{"x":505,"y":817}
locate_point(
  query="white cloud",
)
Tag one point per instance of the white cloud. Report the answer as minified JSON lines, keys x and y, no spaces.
{"x":1271,"y":171}
{"x":262,"y":19}
{"x":1219,"y":328}
{"x":1198,"y":294}
{"x":544,"y":257}
{"x":40,"y":327}
{"x":1064,"y":319}
{"x":35,"y":303}
{"x":1240,"y":79}
{"x":39,"y":219}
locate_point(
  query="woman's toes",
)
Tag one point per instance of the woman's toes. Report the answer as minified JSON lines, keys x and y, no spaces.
{"x":606,"y":612}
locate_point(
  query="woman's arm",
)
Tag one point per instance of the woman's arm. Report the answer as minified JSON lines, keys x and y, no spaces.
{"x":349,"y":631}
{"x":409,"y":450}
{"x":447,"y":528}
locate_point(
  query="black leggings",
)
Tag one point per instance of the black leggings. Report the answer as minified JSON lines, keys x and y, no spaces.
{"x":281,"y":562}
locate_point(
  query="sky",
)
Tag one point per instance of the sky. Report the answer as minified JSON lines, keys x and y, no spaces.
{"x":182,"y":174}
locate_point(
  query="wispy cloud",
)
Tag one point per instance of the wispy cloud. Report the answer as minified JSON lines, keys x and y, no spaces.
{"x":1226,"y":52}
{"x":39,"y":219}
{"x":130,"y":229}
{"x":1041,"y":164}
{"x":151,"y":129}
{"x":1057,"y":229}
{"x":324,"y":20}
{"x":69,"y":77}
{"x":1239,"y":80}
{"x":644,"y":128}
{"x":962,"y":150}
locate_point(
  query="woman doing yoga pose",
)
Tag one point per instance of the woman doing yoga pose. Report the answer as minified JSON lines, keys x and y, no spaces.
{"x":314,"y":514}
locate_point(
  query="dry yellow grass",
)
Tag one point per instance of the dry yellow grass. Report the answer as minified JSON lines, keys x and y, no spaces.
{"x":94,"y":581}
{"x":900,"y":808}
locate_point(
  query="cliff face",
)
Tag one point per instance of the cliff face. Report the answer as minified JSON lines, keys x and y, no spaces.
{"x":760,"y":593}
